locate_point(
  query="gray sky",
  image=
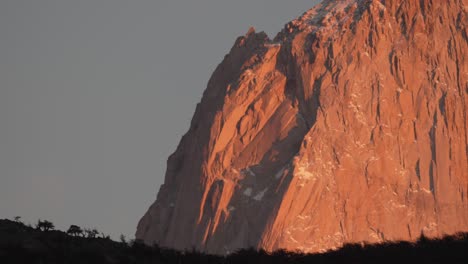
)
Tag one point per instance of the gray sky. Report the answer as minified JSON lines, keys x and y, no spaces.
{"x":96,"y":94}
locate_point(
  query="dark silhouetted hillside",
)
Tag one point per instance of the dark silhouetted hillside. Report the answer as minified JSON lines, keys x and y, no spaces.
{"x":23,"y":244}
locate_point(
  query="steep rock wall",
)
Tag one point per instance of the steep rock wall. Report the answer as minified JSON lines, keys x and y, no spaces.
{"x":351,"y":125}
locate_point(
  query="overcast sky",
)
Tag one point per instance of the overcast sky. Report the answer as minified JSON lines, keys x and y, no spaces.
{"x":96,"y":94}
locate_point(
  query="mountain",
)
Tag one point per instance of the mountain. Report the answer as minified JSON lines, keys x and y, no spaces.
{"x":349,"y":126}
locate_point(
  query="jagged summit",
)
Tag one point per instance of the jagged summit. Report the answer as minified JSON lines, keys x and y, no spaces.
{"x":350,"y":126}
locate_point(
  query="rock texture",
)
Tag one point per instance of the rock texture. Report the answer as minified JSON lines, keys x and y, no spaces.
{"x":349,"y":126}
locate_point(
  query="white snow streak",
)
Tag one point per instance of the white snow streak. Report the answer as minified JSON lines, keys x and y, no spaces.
{"x":260,"y":195}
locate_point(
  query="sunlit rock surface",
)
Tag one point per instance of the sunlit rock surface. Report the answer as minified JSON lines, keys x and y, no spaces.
{"x":349,"y":126}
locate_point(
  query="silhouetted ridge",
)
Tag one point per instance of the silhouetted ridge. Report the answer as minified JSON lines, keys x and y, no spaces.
{"x":22,"y":244}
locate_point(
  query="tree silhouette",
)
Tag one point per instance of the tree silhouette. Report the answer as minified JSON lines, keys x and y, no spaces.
{"x":105,"y":236}
{"x":91,"y":233}
{"x":123,"y":239}
{"x":17,"y":219}
{"x":75,"y":230}
{"x":45,"y":225}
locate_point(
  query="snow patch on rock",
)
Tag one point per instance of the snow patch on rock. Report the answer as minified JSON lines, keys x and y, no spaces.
{"x":248,"y":192}
{"x":260,"y":195}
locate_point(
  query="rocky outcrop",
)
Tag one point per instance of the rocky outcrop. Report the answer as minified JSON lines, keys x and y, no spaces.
{"x":349,"y":126}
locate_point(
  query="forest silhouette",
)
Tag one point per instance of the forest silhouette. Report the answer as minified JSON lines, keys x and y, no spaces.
{"x":20,"y":243}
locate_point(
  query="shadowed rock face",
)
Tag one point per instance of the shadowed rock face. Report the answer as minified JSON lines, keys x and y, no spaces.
{"x":351,"y":125}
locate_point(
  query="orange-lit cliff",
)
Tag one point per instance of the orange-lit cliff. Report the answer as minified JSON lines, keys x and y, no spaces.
{"x":351,"y":125}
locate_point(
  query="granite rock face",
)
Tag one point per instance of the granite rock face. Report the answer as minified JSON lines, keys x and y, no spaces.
{"x":351,"y":125}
